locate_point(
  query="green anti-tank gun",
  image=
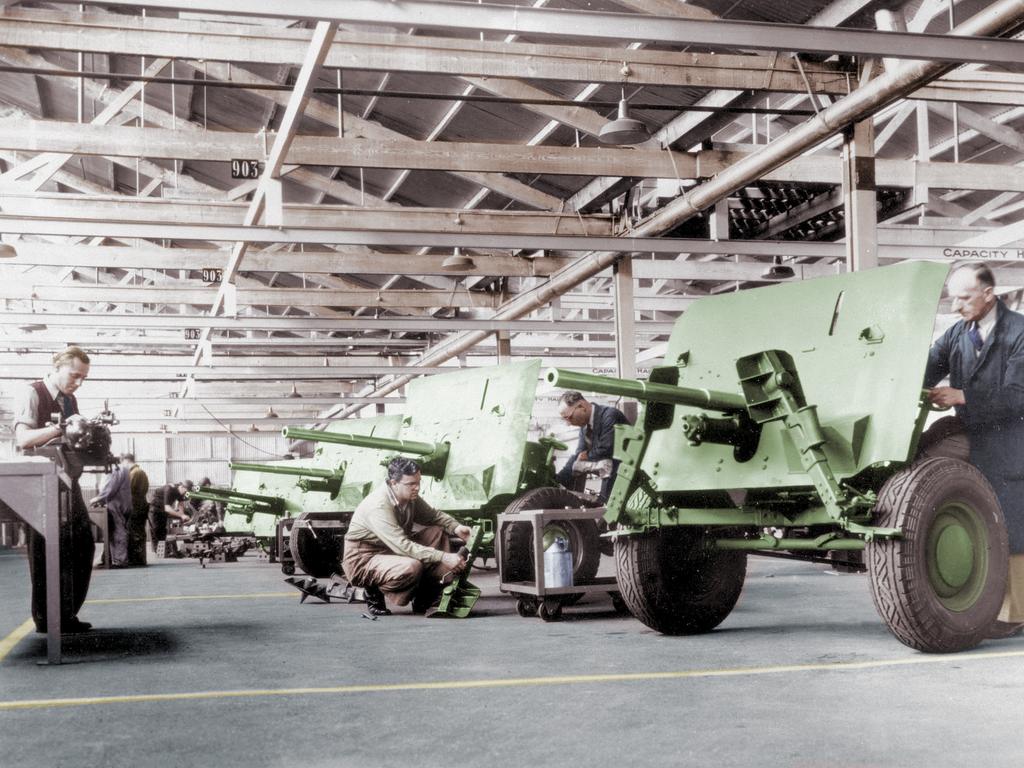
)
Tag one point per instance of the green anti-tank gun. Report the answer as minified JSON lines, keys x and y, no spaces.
{"x":786,"y":421}
{"x":469,"y":432}
{"x":310,"y":479}
{"x":432,"y":458}
{"x":317,"y":496}
{"x":239,"y":502}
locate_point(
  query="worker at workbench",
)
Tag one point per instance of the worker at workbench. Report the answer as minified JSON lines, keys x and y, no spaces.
{"x":167,"y":501}
{"x":397,"y":544}
{"x":33,"y":408}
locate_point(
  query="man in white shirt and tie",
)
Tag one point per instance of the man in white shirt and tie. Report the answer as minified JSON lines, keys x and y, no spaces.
{"x":983,"y":356}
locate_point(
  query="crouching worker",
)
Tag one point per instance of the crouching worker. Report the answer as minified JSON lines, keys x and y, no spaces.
{"x":397,"y":544}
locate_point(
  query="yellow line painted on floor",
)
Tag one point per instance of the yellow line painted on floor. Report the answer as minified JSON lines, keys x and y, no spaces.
{"x":518,"y":682}
{"x":8,"y":643}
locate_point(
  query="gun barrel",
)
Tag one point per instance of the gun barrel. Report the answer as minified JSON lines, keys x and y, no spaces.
{"x":277,"y":469}
{"x":227,"y":494}
{"x":360,"y":441}
{"x":646,"y":391}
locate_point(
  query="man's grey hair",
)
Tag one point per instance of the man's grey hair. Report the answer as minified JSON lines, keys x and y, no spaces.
{"x":982,"y":273}
{"x":571,"y":398}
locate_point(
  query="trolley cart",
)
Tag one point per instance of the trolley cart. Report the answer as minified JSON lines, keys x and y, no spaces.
{"x":535,"y":598}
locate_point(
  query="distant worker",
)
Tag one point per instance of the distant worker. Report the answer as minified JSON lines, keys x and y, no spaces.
{"x":983,"y":356}
{"x":33,"y":408}
{"x":139,"y":484}
{"x":116,"y":496}
{"x":397,"y":544}
{"x":192,"y":505}
{"x":168,"y":501}
{"x":596,"y":441}
{"x":206,"y":511}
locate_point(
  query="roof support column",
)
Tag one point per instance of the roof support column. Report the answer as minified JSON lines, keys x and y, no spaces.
{"x":625,"y":326}
{"x":504,"y":342}
{"x":859,"y":196}
{"x":924,"y":154}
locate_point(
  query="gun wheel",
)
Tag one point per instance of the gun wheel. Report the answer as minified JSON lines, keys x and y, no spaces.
{"x":582,"y":535}
{"x":318,"y":555}
{"x":673,"y":584}
{"x":940,"y":585}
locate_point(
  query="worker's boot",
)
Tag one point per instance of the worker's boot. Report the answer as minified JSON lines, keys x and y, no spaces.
{"x":427,"y":596}
{"x":375,"y":604}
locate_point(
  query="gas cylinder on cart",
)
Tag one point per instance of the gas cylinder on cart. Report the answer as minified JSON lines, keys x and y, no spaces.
{"x":558,"y":564}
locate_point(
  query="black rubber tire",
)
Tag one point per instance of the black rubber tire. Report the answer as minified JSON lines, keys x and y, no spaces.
{"x":946,"y":438}
{"x":671,"y":583}
{"x":943,"y":507}
{"x":517,"y":544}
{"x":320,"y":555}
{"x":288,"y":569}
{"x":619,"y":604}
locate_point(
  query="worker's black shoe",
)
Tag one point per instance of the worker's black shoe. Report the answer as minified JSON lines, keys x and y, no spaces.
{"x":72,"y":626}
{"x":375,"y":604}
{"x":1003,"y":629}
{"x":427,"y":596}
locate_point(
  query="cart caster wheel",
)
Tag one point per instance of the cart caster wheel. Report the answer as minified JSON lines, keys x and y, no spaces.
{"x":550,"y":611}
{"x":288,"y":569}
{"x":619,"y":604}
{"x":526,"y":608}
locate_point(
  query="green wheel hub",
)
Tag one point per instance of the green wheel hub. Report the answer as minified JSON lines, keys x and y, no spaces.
{"x":957,"y":555}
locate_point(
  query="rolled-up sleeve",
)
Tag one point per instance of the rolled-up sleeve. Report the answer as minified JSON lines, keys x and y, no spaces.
{"x":26,"y":403}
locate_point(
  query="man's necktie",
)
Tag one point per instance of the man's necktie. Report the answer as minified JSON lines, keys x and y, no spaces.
{"x":975,"y":336}
{"x":64,"y":404}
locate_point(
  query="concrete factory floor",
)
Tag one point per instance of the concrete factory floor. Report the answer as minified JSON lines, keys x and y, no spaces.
{"x":223,"y":667}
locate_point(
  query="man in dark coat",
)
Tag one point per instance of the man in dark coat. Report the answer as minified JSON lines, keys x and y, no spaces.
{"x":33,"y":408}
{"x":983,"y":356}
{"x":116,"y":496}
{"x":596,"y":440}
{"x":139,"y":484}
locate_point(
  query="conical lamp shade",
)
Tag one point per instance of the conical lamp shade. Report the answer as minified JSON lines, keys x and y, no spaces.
{"x":624,"y":129}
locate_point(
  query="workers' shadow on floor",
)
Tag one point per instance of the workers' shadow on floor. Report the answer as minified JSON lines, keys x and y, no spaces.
{"x":102,"y":644}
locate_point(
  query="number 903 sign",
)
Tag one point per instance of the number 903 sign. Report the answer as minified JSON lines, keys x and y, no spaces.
{"x":245,"y":169}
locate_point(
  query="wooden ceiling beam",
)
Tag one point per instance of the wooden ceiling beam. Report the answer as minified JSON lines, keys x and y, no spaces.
{"x":298,"y":216}
{"x":279,"y":297}
{"x":194,"y":40}
{"x":352,"y":260}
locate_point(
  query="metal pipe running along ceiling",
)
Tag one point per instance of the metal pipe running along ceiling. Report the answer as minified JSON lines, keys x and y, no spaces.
{"x":1000,"y":18}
